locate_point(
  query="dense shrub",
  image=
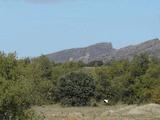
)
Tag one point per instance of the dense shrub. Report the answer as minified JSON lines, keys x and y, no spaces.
{"x":95,"y":63}
{"x":75,"y":89}
{"x":14,"y":99}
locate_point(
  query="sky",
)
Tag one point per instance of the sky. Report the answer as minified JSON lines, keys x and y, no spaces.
{"x":35,"y":27}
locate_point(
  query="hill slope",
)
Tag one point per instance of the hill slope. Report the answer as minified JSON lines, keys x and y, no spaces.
{"x":86,"y":54}
{"x":105,"y":52}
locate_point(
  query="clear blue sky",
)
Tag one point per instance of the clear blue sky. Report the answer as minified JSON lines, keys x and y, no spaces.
{"x":35,"y":27}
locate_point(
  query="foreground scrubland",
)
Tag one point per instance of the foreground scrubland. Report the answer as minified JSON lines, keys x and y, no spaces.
{"x":38,"y":81}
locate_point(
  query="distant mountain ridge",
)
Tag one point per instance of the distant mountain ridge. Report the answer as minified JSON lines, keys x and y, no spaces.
{"x":105,"y":52}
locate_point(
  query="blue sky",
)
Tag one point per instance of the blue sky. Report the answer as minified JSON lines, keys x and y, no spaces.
{"x":35,"y":27}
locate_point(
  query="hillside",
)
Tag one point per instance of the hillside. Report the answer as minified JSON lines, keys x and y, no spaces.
{"x":105,"y":52}
{"x":86,"y":54}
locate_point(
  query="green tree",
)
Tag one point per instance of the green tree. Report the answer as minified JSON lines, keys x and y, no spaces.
{"x":103,"y":84}
{"x":65,"y":68}
{"x":139,"y":65}
{"x":15,"y":98}
{"x":8,"y":64}
{"x":95,"y":63}
{"x":75,"y":89}
{"x":41,"y":68}
{"x":39,"y":71}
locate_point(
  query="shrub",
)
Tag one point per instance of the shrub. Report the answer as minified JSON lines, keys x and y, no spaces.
{"x":75,"y":89}
{"x":156,"y":95}
{"x":14,"y":99}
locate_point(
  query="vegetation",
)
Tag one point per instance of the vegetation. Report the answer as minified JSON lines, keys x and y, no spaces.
{"x":75,"y":89}
{"x":27,"y":82}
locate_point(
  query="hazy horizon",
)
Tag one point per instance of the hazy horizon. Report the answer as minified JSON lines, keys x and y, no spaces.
{"x":35,"y":27}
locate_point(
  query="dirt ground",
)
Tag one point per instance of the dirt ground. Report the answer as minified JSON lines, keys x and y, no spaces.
{"x":118,"y":112}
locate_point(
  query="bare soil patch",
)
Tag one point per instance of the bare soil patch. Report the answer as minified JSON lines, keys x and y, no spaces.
{"x":118,"y":112}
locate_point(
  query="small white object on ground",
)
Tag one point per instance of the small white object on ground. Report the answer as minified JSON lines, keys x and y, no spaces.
{"x":106,"y":101}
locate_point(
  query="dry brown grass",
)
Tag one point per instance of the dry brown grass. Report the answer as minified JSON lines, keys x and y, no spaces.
{"x":118,"y":112}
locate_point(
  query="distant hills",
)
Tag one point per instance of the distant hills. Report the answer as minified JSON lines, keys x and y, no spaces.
{"x":105,"y":52}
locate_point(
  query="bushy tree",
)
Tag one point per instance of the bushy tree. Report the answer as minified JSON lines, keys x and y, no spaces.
{"x":155,"y":96}
{"x":8,"y":64}
{"x":65,"y":68}
{"x":139,"y":65}
{"x":15,"y":98}
{"x":41,"y":68}
{"x":103,"y":84}
{"x":75,"y":89}
{"x":95,"y":63}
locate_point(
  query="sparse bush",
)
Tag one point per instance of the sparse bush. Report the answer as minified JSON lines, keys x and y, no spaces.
{"x":31,"y":115}
{"x":93,"y":103}
{"x":156,"y":95}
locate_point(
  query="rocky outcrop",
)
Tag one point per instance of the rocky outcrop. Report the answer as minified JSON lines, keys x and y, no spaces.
{"x":86,"y":54}
{"x":105,"y":52}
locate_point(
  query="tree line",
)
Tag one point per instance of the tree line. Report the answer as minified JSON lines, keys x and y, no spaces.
{"x":38,"y":81}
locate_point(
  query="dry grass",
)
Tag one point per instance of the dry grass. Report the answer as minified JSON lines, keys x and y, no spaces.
{"x":118,"y":112}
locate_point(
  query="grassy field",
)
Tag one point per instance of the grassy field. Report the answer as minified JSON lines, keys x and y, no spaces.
{"x":118,"y":112}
